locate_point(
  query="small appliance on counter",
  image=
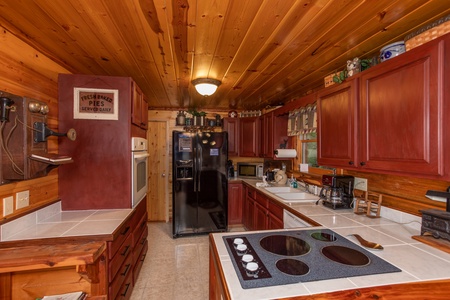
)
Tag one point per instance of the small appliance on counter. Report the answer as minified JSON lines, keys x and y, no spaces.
{"x":337,"y":191}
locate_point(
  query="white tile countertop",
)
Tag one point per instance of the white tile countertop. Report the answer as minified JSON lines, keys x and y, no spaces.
{"x":51,"y":222}
{"x":418,"y":262}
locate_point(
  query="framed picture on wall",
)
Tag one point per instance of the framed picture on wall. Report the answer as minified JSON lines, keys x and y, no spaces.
{"x":96,"y":104}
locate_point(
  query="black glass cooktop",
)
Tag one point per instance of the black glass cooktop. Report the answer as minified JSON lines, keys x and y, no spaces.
{"x":292,"y":256}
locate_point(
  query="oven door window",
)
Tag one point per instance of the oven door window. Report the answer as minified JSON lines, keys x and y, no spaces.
{"x":141,"y":175}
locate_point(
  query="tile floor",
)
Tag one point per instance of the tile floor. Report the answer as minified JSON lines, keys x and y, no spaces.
{"x":174,"y":268}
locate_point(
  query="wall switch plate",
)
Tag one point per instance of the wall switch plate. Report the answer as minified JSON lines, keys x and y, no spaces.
{"x":360,"y":184}
{"x":8,"y":205}
{"x":22,"y":199}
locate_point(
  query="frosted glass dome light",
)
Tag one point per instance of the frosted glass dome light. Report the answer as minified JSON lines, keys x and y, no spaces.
{"x":206,"y":86}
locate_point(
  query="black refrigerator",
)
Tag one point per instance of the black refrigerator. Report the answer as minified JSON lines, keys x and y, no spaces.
{"x":200,"y":184}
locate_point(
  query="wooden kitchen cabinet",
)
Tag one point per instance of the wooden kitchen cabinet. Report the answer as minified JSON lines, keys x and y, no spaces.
{"x":260,"y":212}
{"x":100,"y":177}
{"x":139,"y":109}
{"x":126,"y":253}
{"x":249,"y":136}
{"x":231,"y":125}
{"x":103,"y":266}
{"x":249,"y":207}
{"x":235,"y":203}
{"x":266,"y":135}
{"x":273,"y":133}
{"x":402,"y":113}
{"x":390,"y":118}
{"x":336,"y":110}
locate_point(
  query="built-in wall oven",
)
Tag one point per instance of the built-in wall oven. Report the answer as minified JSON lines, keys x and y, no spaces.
{"x":139,"y":169}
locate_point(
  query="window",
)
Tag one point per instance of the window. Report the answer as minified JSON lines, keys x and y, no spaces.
{"x":308,"y":142}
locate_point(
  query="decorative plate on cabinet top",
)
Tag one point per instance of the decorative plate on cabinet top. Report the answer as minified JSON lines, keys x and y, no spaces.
{"x":232,"y":114}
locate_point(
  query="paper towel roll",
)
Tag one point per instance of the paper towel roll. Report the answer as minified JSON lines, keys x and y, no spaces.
{"x":285,"y":153}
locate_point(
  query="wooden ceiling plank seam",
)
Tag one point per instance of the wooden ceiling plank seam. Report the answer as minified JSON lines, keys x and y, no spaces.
{"x":279,"y":48}
{"x":209,"y":24}
{"x":10,"y":23}
{"x":131,"y":37}
{"x":249,"y":45}
{"x":405,"y":19}
{"x":73,"y":27}
{"x":443,"y":13}
{"x":166,"y":12}
{"x":162,"y":40}
{"x":304,"y":52}
{"x":299,"y":58}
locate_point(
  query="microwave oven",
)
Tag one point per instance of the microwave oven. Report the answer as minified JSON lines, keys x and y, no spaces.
{"x":250,"y":170}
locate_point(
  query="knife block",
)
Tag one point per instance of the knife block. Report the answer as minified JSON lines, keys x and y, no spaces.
{"x":368,"y":203}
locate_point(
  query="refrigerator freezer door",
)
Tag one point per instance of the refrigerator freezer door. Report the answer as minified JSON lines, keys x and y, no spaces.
{"x":199,"y":183}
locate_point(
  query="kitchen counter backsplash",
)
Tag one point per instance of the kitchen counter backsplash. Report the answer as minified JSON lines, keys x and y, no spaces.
{"x":51,"y":221}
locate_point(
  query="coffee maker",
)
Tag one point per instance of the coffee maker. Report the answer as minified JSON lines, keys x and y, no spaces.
{"x":337,"y":191}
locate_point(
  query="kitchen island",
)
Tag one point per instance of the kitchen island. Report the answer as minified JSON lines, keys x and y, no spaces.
{"x":425,"y":271}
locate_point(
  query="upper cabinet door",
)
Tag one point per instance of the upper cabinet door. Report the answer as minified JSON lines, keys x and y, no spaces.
{"x":231,"y":125}
{"x":336,"y":111}
{"x":249,"y":136}
{"x":401,"y":113}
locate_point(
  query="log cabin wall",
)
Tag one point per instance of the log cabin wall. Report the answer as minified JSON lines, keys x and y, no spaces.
{"x":27,"y":72}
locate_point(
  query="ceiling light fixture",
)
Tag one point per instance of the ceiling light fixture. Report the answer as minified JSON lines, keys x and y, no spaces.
{"x":206,"y":86}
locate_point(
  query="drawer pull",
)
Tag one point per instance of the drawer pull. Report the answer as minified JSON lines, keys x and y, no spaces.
{"x":125,"y":230}
{"x":125,"y":251}
{"x":127,"y":268}
{"x":143,"y":223}
{"x":143,"y":240}
{"x":143,"y":257}
{"x":126,"y":290}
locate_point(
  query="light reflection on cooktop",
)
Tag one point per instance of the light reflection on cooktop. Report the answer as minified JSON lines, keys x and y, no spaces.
{"x":285,"y":245}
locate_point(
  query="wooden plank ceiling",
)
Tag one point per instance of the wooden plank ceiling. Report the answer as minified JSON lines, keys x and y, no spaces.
{"x":265,"y":52}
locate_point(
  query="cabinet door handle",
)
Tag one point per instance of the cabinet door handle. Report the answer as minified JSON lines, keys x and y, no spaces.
{"x":126,"y":290}
{"x":351,"y":163}
{"x":125,"y":251}
{"x":127,"y":267}
{"x":363,"y":163}
{"x":124,"y":232}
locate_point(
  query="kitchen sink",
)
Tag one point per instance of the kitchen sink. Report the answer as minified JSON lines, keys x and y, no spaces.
{"x":292,"y":197}
{"x":290,"y":194}
{"x":281,"y":189}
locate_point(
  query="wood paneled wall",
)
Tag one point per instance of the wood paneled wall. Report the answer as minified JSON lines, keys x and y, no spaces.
{"x":27,"y":72}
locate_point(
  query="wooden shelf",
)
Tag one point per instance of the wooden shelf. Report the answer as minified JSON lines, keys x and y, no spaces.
{"x":440,"y":244}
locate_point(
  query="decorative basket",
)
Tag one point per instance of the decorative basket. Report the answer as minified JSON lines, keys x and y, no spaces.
{"x":428,"y":33}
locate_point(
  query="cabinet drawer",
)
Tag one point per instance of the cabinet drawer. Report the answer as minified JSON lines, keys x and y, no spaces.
{"x":122,"y":285}
{"x":139,"y":229}
{"x":139,"y":262}
{"x":251,"y":193}
{"x":115,"y":264}
{"x":120,"y":236}
{"x":140,"y":244}
{"x":276,"y":210}
{"x":262,"y":200}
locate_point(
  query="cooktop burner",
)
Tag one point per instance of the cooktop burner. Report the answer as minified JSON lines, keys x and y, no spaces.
{"x":292,"y":266}
{"x":346,"y":256}
{"x":285,"y":245}
{"x":292,"y":256}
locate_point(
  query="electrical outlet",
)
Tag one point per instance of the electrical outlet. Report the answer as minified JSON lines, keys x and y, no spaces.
{"x":8,"y":205}
{"x":22,"y":199}
{"x":361,"y":184}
